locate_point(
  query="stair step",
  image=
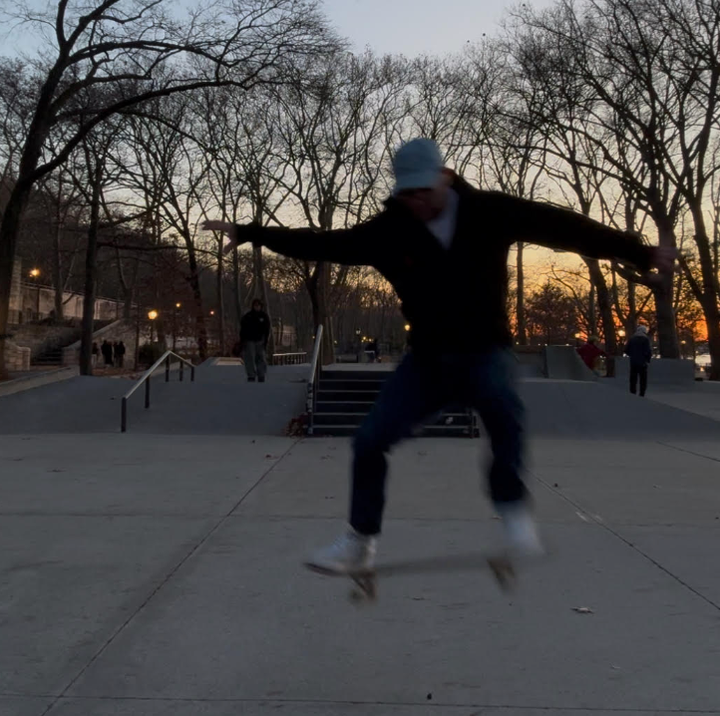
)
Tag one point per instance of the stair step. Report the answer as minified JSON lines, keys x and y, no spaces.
{"x":345,"y":384}
{"x":376,"y":375}
{"x":343,"y":406}
{"x":440,"y":431}
{"x":349,"y":396}
{"x":444,"y":421}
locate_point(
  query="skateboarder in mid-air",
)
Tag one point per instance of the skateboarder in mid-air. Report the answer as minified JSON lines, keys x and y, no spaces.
{"x":438,"y":236}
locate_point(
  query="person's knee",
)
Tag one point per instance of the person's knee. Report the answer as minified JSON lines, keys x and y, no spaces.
{"x":368,"y":442}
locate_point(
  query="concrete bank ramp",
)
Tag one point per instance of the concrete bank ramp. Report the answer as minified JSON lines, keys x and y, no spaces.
{"x":594,"y":410}
{"x":564,"y":363}
{"x":219,"y":402}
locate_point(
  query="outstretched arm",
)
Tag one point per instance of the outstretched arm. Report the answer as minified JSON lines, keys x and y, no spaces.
{"x":343,"y":246}
{"x":567,"y":230}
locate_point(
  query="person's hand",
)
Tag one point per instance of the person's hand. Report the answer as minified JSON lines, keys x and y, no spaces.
{"x":663,"y":258}
{"x":226,"y":227}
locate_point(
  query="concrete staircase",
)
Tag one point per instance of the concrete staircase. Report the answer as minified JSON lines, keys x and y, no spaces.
{"x":344,"y":398}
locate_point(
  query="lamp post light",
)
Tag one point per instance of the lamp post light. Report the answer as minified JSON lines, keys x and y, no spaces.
{"x":35,"y":275}
{"x":178,"y":306}
{"x":152,"y":315}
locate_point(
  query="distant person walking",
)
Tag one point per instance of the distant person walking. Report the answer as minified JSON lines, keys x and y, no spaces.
{"x":107,"y":351}
{"x":639,"y":351}
{"x":590,"y":352}
{"x":372,"y":351}
{"x":119,"y":354}
{"x":95,"y":353}
{"x":254,"y":335}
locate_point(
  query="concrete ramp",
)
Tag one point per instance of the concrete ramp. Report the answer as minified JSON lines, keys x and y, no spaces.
{"x":219,"y":402}
{"x":594,"y":410}
{"x":563,"y":363}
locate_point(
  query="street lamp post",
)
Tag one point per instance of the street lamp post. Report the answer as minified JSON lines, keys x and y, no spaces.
{"x":152,"y":315}
{"x":35,"y":275}
{"x":178,"y":305}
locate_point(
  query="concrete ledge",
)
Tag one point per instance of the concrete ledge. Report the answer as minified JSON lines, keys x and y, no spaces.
{"x":28,"y":382}
{"x":564,"y":362}
{"x":664,"y":371}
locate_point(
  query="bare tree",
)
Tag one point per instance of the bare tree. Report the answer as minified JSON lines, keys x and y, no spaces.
{"x":131,"y":52}
{"x":326,"y":132}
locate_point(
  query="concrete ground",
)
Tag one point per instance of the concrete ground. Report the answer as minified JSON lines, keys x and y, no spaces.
{"x":150,"y":574}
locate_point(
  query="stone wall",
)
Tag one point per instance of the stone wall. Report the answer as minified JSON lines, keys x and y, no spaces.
{"x":15,"y":301}
{"x":30,"y":301}
{"x":17,"y":358}
{"x":664,"y":371}
{"x":122,"y":330}
{"x":40,"y":338}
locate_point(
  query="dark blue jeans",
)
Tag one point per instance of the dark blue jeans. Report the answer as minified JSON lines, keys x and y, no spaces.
{"x":421,"y":386}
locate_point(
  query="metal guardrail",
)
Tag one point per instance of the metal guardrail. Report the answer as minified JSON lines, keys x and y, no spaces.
{"x":314,"y":377}
{"x":289,"y":358}
{"x":166,"y":358}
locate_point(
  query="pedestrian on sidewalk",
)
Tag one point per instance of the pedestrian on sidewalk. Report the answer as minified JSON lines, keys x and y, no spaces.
{"x":438,"y":231}
{"x":107,"y":351}
{"x":254,"y":336}
{"x":95,"y":353}
{"x":639,"y":350}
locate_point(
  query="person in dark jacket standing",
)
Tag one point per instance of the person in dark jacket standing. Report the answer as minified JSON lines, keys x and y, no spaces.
{"x":120,"y":354}
{"x":107,"y":351}
{"x":254,"y":335}
{"x":639,"y":351}
{"x":437,"y":231}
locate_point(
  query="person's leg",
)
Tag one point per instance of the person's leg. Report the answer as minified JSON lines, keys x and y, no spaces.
{"x":643,"y":371}
{"x":633,"y":378}
{"x":249,"y":359}
{"x":494,"y":395}
{"x":412,"y":393}
{"x":260,"y":361}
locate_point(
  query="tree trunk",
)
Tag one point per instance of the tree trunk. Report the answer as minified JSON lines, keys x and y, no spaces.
{"x":317,"y":288}
{"x":604,"y":302}
{"x":88,"y":318}
{"x":261,"y":292}
{"x":632,"y":318}
{"x":220,"y":301}
{"x":712,"y":317}
{"x":57,"y":271}
{"x":710,"y":289}
{"x":668,"y":343}
{"x":127,"y":303}
{"x":237,"y":293}
{"x":194,"y":281}
{"x":8,"y":243}
{"x":520,"y":298}
{"x":667,"y":329}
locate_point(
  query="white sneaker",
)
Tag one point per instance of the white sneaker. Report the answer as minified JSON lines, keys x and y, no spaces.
{"x":520,"y":529}
{"x":351,"y":553}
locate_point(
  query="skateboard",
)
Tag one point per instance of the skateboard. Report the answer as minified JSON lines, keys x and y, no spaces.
{"x":364,"y":588}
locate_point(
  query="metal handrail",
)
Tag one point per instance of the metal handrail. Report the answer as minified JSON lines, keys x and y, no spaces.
{"x":166,"y":358}
{"x":289,"y":358}
{"x":313,"y":377}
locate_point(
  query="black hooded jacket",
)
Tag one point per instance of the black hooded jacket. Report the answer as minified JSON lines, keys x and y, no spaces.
{"x":255,"y":327}
{"x":471,"y":275}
